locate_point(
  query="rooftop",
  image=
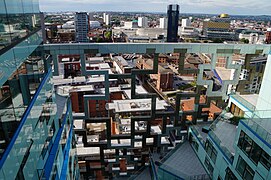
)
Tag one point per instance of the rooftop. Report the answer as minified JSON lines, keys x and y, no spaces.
{"x":160,"y":68}
{"x":59,"y":80}
{"x":200,"y":126}
{"x":223,"y":73}
{"x":135,"y":105}
{"x":251,"y":98}
{"x":188,"y":105}
{"x":184,"y":162}
{"x":121,"y":60}
{"x":226,"y":133}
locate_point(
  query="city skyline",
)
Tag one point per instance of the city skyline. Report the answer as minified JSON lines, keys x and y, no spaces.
{"x":240,"y":7}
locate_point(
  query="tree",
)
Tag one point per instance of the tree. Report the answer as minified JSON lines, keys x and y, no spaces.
{"x":246,"y":41}
{"x":217,"y":41}
{"x":108,"y":35}
{"x":99,"y":39}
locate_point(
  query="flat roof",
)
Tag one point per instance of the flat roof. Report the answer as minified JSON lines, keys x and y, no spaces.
{"x":121,"y":60}
{"x":139,"y":90}
{"x":85,"y":151}
{"x":184,"y":162}
{"x":161,"y":69}
{"x":223,"y":73}
{"x":95,"y":58}
{"x":99,"y":65}
{"x":97,"y":79}
{"x":78,"y":124}
{"x":81,"y":88}
{"x":156,"y":129}
{"x":59,"y":80}
{"x":199,"y":127}
{"x":226,"y":133}
{"x":251,"y":98}
{"x":134,"y":105}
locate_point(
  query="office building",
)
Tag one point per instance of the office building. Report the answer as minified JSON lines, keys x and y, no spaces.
{"x":91,"y":16}
{"x":36,"y":133}
{"x":94,"y":24}
{"x":131,"y":24}
{"x":251,"y":75}
{"x":65,"y":35}
{"x":173,"y":23}
{"x":218,"y":28}
{"x":163,"y":23}
{"x":253,"y":36}
{"x":81,"y":27}
{"x":104,"y":17}
{"x":107,"y":19}
{"x":188,"y":32}
{"x":163,"y":79}
{"x":142,"y":22}
{"x":186,"y":22}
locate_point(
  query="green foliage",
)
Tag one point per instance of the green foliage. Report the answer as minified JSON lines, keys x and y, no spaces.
{"x":217,"y":41}
{"x":235,"y":120}
{"x":194,"y":83}
{"x":171,"y":94}
{"x":99,"y":39}
{"x":186,"y":86}
{"x":108,"y":34}
{"x":246,"y":41}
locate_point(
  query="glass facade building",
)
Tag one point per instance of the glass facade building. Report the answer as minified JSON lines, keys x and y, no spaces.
{"x":21,"y":65}
{"x":42,"y":137}
{"x":173,"y":22}
{"x":36,"y":137}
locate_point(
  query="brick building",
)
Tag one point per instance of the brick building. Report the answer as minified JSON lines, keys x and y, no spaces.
{"x":163,"y":79}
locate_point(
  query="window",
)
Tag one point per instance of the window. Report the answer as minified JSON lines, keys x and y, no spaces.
{"x":244,"y":169}
{"x":229,"y":175}
{"x":211,"y":151}
{"x":236,"y":111}
{"x":209,"y":166}
{"x":254,"y":151}
{"x":265,"y":160}
{"x":245,"y":143}
{"x":196,"y":145}
{"x":194,"y":142}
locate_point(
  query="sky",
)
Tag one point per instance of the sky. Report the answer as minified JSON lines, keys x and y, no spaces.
{"x":233,"y":7}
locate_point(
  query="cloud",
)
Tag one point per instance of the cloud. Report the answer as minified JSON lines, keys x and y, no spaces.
{"x":187,"y":6}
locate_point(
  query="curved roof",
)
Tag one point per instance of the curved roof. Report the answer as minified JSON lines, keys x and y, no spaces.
{"x":224,"y":16}
{"x":249,"y":31}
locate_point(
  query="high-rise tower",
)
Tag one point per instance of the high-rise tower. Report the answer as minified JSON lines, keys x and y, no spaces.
{"x":173,"y":20}
{"x":81,"y":26}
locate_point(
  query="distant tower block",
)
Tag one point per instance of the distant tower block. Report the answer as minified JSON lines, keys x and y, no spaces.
{"x":173,"y":20}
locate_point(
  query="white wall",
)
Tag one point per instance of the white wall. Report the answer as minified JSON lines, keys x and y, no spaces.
{"x":264,"y":101}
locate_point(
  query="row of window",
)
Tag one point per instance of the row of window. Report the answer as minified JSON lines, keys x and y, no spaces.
{"x":254,"y":151}
{"x":244,"y":169}
{"x":211,"y":151}
{"x":209,"y":166}
{"x":249,"y":147}
{"x":230,"y":175}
